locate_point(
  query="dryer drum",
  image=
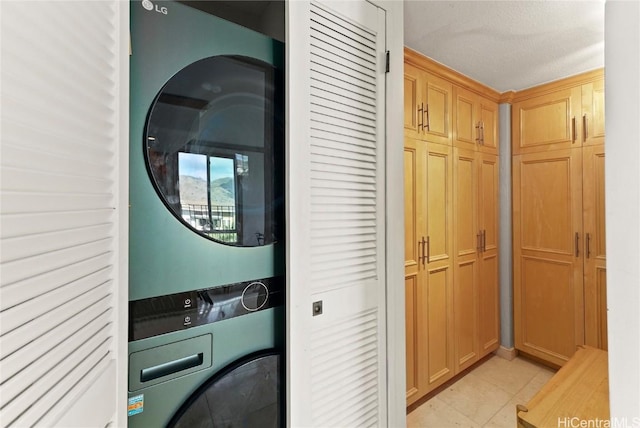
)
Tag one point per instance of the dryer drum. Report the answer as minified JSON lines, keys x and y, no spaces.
{"x":246,"y":393}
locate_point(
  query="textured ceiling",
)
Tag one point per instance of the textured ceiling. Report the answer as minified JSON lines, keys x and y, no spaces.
{"x":508,"y":45}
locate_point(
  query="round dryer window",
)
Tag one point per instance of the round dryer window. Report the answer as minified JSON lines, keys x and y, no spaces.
{"x":246,"y":394}
{"x":213,"y":145}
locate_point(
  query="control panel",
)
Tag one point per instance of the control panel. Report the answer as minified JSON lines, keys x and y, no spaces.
{"x":173,"y":312}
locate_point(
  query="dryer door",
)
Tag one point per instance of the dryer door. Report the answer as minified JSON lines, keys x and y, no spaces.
{"x":246,"y":393}
{"x":210,"y":149}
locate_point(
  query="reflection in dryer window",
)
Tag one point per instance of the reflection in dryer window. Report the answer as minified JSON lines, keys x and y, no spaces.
{"x":209,"y":146}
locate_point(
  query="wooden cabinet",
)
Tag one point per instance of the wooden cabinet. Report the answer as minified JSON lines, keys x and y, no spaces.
{"x":476,"y":292}
{"x":489,"y":284}
{"x":547,"y":271}
{"x":428,"y":266}
{"x":559,"y":252}
{"x":595,"y":278}
{"x":451,"y":231}
{"x":558,"y":217}
{"x":475,"y":121}
{"x":467,"y":249}
{"x":427,"y":106}
{"x":562,"y":115}
{"x":593,"y":113}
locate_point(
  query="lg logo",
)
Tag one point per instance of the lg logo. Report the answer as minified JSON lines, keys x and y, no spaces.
{"x":150,"y":6}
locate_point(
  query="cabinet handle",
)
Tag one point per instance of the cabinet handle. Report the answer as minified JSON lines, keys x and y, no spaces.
{"x":427,"y":126}
{"x":482,"y":132}
{"x":421,"y":258}
{"x":478,"y":139}
{"x":428,"y":249}
{"x":577,"y":244}
{"x":585,"y":127}
{"x":588,"y":245}
{"x":573,"y":129}
{"x":420,"y":117}
{"x":484,"y":240}
{"x":479,"y":242}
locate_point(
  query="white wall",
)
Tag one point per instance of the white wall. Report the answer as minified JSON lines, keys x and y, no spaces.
{"x":622,"y":176}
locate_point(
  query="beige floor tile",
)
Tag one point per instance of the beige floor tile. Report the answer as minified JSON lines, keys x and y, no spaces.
{"x":535,"y":385}
{"x":475,"y":398}
{"x":437,"y":414}
{"x":511,"y":376}
{"x":506,"y":417}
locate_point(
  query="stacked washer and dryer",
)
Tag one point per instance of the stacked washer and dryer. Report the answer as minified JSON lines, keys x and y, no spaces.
{"x":206,"y":249}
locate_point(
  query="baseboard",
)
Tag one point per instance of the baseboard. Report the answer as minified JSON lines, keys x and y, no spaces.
{"x":506,"y":353}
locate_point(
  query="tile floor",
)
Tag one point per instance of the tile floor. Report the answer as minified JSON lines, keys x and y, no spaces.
{"x":486,"y":397}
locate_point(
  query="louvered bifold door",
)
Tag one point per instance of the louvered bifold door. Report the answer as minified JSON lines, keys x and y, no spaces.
{"x":336,"y":252}
{"x":61,"y":97}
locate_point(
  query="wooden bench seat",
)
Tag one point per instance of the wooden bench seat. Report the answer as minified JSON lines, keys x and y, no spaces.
{"x":579,"y":391}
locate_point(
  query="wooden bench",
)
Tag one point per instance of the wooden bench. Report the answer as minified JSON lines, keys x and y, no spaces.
{"x":579,"y":391}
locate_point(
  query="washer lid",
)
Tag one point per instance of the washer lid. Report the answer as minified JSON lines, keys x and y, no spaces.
{"x":245,"y":394}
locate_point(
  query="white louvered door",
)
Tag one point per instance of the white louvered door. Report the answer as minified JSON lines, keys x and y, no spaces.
{"x":60,"y":294}
{"x":336,"y":215}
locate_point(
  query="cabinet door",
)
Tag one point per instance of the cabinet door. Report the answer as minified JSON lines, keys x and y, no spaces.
{"x":466,"y":130}
{"x":593,"y":113}
{"x":413,"y":101}
{"x":547,"y":122}
{"x":488,"y":118}
{"x":547,"y":237}
{"x":438,"y":109}
{"x":439,"y":265}
{"x":414,"y":164}
{"x":488,"y":285}
{"x":467,"y":246}
{"x":595,"y":278}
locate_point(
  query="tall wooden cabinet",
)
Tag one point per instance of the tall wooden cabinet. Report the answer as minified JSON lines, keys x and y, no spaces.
{"x":451,"y":230}
{"x":428,"y":266}
{"x":558,"y":218}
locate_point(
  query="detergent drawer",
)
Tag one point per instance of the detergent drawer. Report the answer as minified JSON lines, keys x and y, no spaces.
{"x":166,"y":362}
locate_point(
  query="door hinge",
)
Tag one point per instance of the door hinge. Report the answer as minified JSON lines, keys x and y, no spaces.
{"x":386,"y":68}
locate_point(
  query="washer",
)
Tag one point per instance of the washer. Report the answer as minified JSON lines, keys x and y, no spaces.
{"x":206,"y":249}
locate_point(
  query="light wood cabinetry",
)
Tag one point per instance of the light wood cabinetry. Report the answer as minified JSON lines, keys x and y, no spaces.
{"x":593,"y":113}
{"x":562,"y":115}
{"x":428,"y":266}
{"x":595,"y":278}
{"x":547,"y":271}
{"x":467,"y":249}
{"x":451,"y":231}
{"x":476,"y":292}
{"x":427,"y":106}
{"x":475,"y":121}
{"x":489,"y":284}
{"x":559,"y":219}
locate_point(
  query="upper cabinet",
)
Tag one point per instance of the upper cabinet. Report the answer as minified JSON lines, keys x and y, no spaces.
{"x":427,"y":106}
{"x":562,"y":115}
{"x":445,"y":107}
{"x":475,"y":121}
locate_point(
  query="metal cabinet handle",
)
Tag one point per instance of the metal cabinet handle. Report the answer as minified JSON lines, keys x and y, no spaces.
{"x":585,"y":127}
{"x":484,"y":240}
{"x":479,"y":242}
{"x":588,"y":245}
{"x":573,"y":129}
{"x":478,"y":139}
{"x":428,"y":249}
{"x":422,"y":244}
{"x":428,"y":122}
{"x":577,"y":244}
{"x":482,"y":132}
{"x":420,"y":116}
